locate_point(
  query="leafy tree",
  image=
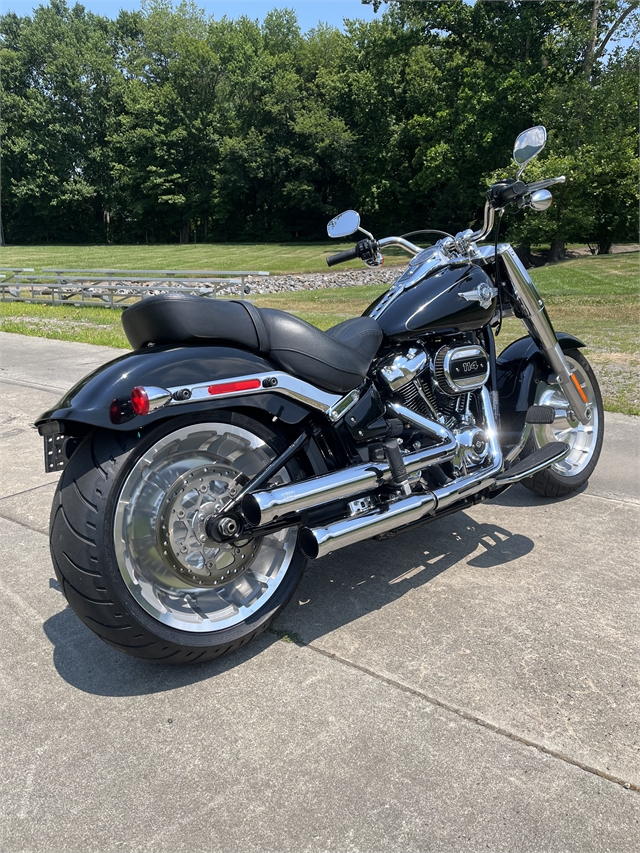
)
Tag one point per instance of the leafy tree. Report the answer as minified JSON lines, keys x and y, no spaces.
{"x":166,"y":123}
{"x":57,"y":90}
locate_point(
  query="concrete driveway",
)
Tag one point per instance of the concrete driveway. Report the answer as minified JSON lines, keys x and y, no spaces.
{"x":471,"y":685}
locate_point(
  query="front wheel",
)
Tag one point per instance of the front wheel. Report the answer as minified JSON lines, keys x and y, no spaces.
{"x":585,"y":440}
{"x":130,"y":547}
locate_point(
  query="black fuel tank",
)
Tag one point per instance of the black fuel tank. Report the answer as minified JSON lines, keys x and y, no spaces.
{"x":434,"y":305}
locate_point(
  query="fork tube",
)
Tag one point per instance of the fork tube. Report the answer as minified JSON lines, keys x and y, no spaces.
{"x":530,"y":308}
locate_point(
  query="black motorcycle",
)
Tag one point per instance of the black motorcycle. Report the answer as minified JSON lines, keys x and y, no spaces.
{"x":203,"y":469}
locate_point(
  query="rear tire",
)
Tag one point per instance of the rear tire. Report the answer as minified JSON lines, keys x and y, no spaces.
{"x":567,"y":476}
{"x":128,"y":545}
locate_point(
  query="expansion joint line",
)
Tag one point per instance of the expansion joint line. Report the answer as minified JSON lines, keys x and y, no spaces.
{"x":479,"y":721}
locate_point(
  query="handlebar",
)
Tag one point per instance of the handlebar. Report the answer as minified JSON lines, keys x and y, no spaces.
{"x":401,"y":242}
{"x":502,"y":193}
{"x":343,"y":257}
{"x":542,"y":185}
{"x":368,"y":251}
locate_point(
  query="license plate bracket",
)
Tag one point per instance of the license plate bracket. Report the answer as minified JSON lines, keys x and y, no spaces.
{"x":55,"y":455}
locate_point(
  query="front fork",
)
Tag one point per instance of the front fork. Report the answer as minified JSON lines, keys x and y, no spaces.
{"x":529,"y":307}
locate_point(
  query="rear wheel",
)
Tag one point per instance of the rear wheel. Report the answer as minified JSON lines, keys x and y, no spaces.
{"x":130,"y":547}
{"x":585,"y":440}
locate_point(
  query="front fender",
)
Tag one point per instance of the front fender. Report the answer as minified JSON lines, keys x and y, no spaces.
{"x":520,"y":367}
{"x":88,"y":403}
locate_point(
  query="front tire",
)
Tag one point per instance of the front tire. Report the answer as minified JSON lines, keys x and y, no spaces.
{"x":131,"y":553}
{"x":571,"y":473}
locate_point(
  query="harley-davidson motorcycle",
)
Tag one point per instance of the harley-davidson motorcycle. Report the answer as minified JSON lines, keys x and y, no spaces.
{"x":202,"y":470}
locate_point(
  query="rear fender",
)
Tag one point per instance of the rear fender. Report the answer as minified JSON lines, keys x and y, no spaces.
{"x":88,"y":403}
{"x":520,"y":367}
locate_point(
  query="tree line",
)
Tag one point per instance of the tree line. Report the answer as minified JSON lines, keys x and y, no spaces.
{"x":166,"y":125}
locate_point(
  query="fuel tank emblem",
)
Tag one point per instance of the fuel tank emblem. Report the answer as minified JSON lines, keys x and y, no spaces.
{"x":483,"y":293}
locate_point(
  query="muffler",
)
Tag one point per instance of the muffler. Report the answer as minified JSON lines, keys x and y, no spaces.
{"x":265,"y":506}
{"x":319,"y":541}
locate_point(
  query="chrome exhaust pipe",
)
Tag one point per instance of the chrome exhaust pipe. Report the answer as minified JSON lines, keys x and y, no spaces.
{"x":265,"y":506}
{"x":320,"y":541}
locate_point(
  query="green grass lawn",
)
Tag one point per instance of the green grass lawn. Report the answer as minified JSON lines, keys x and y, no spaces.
{"x":594,"y":298}
{"x":276,"y":258}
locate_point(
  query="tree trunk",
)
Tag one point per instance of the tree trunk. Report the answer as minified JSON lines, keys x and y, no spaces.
{"x":557,"y":252}
{"x":593,"y":38}
{"x":184,"y":233}
{"x":524,"y":253}
{"x":604,"y":246}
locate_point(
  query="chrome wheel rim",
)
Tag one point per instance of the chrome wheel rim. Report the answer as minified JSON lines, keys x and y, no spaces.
{"x":581,"y":438}
{"x":172,"y":569}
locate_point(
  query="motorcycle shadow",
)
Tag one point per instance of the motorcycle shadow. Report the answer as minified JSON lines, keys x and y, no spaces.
{"x":366,"y":577}
{"x":334,"y":591}
{"x":519,"y":496}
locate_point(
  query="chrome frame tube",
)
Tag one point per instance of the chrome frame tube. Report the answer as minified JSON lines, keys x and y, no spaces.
{"x":463,"y":487}
{"x":275,"y":382}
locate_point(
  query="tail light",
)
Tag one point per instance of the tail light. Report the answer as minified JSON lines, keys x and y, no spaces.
{"x":146,"y":399}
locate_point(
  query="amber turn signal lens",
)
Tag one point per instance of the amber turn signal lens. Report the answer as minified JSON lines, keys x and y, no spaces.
{"x":583,"y":396}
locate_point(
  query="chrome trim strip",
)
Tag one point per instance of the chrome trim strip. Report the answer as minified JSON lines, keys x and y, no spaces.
{"x":274,"y":383}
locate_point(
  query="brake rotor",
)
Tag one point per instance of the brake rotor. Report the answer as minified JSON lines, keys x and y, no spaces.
{"x":186,"y":549}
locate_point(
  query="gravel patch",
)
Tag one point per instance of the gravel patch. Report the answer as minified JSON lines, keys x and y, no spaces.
{"x":321,"y":281}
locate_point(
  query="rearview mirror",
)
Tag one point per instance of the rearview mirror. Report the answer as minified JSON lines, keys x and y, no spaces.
{"x":344,"y":224}
{"x":528,"y":145}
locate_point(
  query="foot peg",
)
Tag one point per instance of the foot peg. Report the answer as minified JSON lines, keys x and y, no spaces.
{"x":540,"y":415}
{"x":399,"y":475}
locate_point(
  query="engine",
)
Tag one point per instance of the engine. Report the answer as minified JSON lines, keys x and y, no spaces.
{"x":441,"y":385}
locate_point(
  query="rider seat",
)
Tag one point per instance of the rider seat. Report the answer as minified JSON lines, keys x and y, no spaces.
{"x":336,"y":360}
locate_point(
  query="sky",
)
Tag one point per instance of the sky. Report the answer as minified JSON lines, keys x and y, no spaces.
{"x":309,"y":12}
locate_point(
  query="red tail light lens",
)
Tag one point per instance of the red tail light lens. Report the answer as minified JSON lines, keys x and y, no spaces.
{"x":140,"y":401}
{"x":230,"y":387}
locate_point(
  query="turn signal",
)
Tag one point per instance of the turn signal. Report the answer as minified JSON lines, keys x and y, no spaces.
{"x":140,"y":400}
{"x":579,"y":388}
{"x":146,"y":399}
